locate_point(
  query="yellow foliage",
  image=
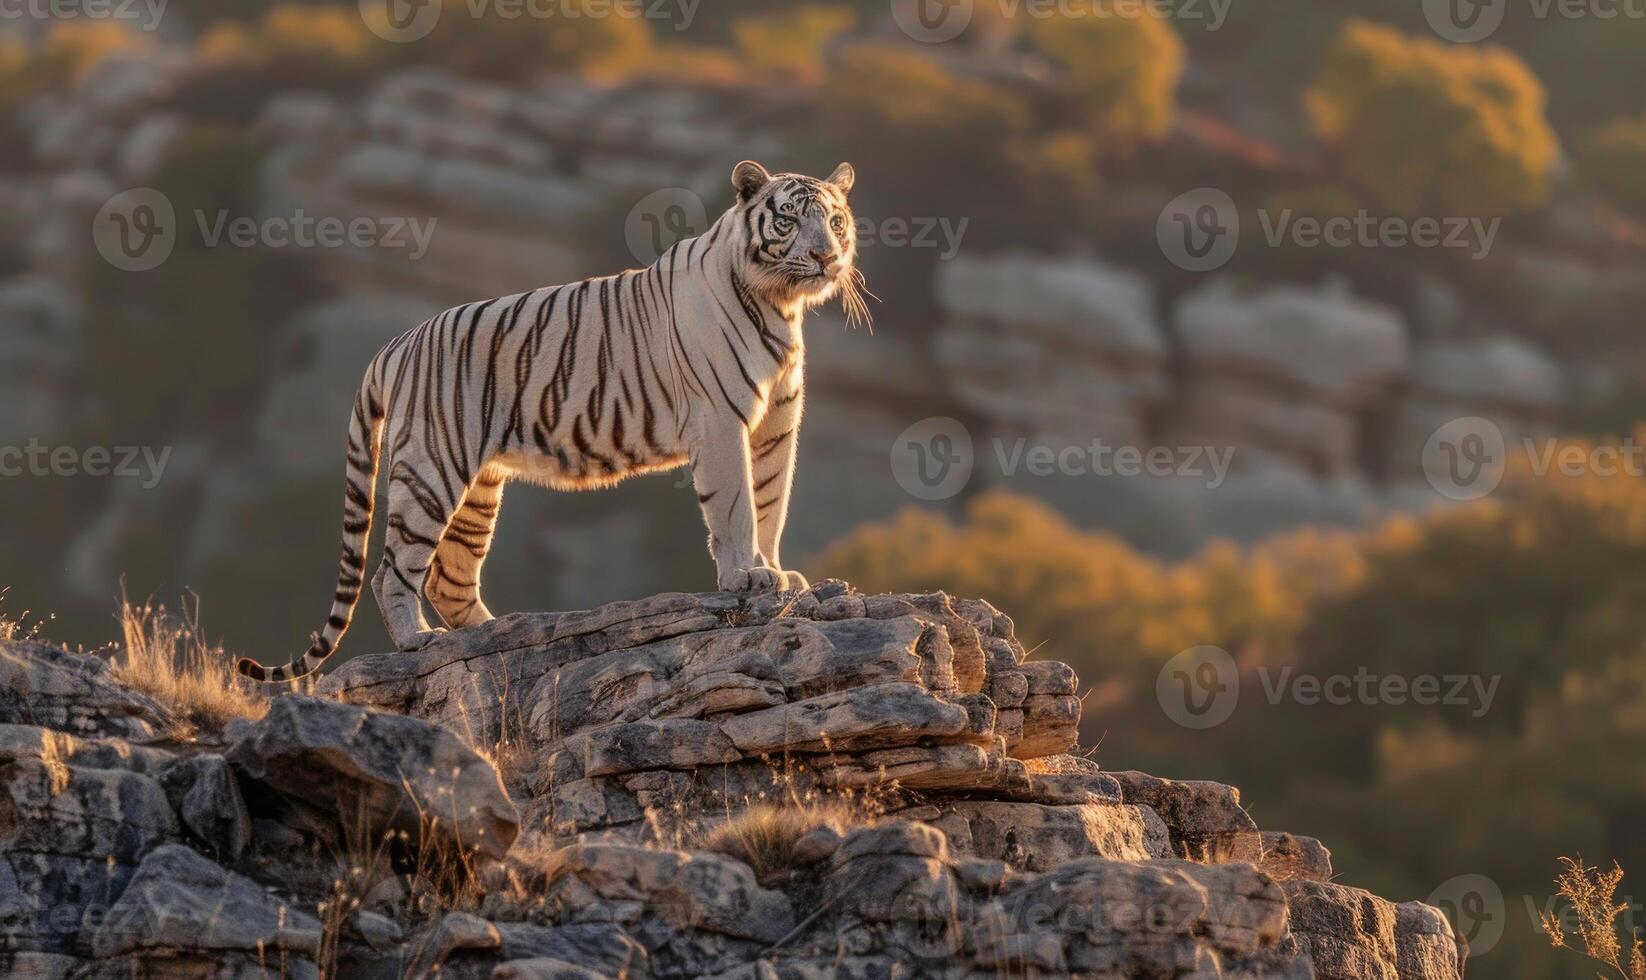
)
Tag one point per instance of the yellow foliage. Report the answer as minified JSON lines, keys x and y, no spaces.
{"x":1545,"y":576}
{"x":1124,"y":71}
{"x":589,"y":38}
{"x":1090,"y":594}
{"x":1614,"y":159}
{"x":65,"y":56}
{"x":791,"y":41}
{"x":298,"y":39}
{"x":1434,"y":129}
{"x":930,"y":101}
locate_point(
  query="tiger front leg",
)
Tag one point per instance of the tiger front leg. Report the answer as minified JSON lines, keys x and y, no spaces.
{"x":772,"y":447}
{"x":721,"y":474}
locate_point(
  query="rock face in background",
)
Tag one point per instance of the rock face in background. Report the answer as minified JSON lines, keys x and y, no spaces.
{"x":950,"y":835}
{"x":1058,"y":350}
{"x":1324,"y":400}
{"x":1503,"y":379}
{"x":1285,"y":374}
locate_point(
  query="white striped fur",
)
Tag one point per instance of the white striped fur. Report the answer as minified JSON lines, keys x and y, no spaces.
{"x":697,"y":359}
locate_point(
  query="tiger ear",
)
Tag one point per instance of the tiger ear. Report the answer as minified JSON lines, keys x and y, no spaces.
{"x":749,"y":177}
{"x":843,"y":177}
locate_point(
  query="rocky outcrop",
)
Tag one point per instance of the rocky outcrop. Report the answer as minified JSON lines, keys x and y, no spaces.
{"x":1053,"y":349}
{"x":794,"y":785}
{"x":1285,"y":374}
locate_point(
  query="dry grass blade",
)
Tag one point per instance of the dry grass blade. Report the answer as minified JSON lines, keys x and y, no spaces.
{"x":169,"y":659}
{"x":764,"y":835}
{"x":18,"y":628}
{"x":1591,"y":894}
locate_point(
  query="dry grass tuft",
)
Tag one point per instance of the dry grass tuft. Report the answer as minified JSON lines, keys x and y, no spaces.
{"x":19,"y":628}
{"x":764,"y":835}
{"x":1591,"y":893}
{"x":169,"y":659}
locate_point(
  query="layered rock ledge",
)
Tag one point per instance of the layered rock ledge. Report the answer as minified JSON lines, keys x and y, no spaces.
{"x":782,"y":785}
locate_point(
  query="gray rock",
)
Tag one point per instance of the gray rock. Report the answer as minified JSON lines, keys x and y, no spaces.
{"x":71,"y":692}
{"x":102,"y":814}
{"x":1347,"y":932}
{"x":544,"y":968}
{"x":702,"y":891}
{"x":1035,"y":837}
{"x":1205,"y":818}
{"x":203,"y":791}
{"x":396,"y":772}
{"x":180,"y":900}
{"x":379,"y":931}
{"x":1287,"y":856}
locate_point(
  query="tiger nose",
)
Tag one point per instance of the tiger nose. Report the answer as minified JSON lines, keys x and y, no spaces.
{"x":826,"y":259}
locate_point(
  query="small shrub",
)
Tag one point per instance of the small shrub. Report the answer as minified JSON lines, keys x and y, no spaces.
{"x":1434,"y":129}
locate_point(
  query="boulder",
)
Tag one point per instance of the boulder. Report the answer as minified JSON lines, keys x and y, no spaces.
{"x":203,"y":791}
{"x":395,"y":772}
{"x":180,"y":900}
{"x":72,"y":692}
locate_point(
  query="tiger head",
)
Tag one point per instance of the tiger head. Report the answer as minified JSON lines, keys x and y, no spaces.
{"x":802,"y":237}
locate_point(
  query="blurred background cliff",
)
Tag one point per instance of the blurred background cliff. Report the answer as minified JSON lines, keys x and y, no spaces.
{"x":1022,"y":171}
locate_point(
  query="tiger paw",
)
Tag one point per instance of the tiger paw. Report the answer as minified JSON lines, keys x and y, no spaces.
{"x":794,"y":581}
{"x":757,"y":578}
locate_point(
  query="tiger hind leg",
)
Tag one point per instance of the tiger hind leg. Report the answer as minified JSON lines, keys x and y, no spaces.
{"x":416,"y":524}
{"x":453,"y":585}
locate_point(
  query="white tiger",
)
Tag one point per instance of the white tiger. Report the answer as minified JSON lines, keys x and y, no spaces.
{"x":697,"y":359}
